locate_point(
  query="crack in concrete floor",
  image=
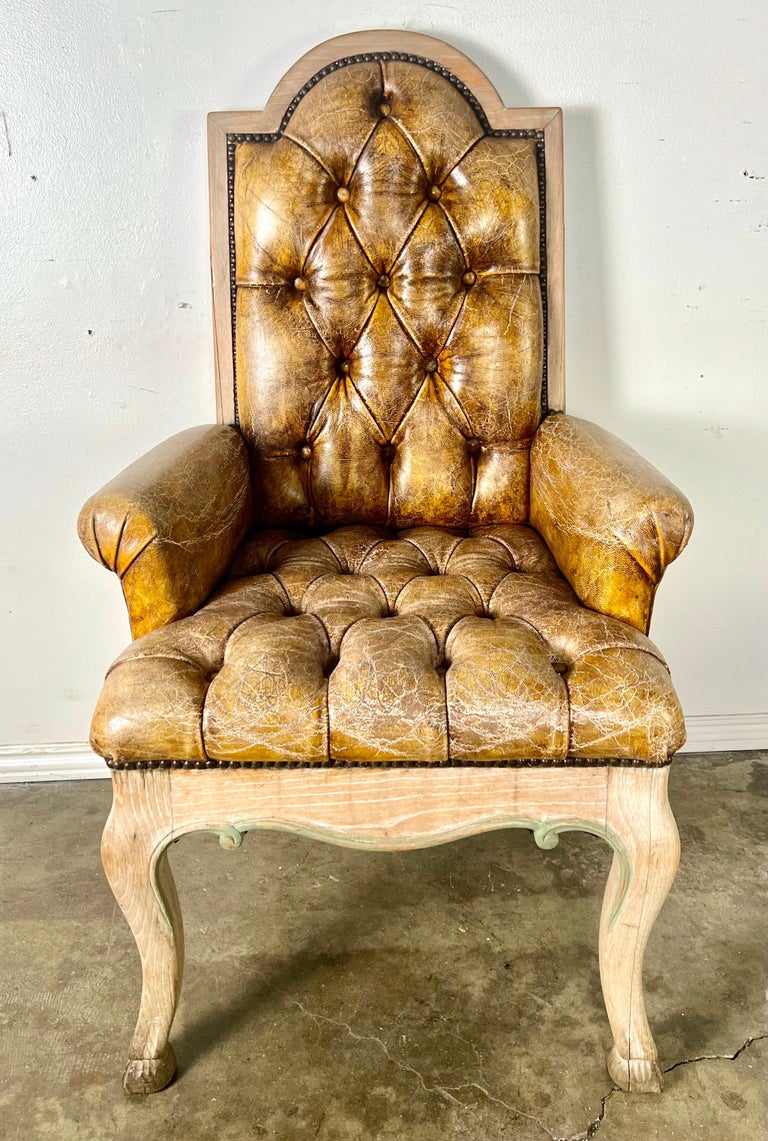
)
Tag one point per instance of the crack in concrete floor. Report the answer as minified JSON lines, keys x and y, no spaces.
{"x":718,"y":1057}
{"x":448,"y":1092}
{"x":594,"y":1125}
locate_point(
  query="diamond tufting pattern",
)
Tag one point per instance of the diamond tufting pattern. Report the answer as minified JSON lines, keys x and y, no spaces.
{"x":368,"y":645}
{"x":431,"y":574}
{"x":389,"y":331}
{"x":390,"y":552}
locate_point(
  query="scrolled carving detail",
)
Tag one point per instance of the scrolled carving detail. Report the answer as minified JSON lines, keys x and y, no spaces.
{"x":230,"y":837}
{"x":547,"y":835}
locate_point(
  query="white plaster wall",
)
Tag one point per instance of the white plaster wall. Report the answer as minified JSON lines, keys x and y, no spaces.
{"x":105,"y":344}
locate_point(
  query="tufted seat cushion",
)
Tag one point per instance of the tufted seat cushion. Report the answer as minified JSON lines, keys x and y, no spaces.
{"x":430,"y":645}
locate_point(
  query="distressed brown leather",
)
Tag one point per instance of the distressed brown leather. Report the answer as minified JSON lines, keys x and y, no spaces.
{"x":612,"y":521}
{"x":389,"y":317}
{"x":398,"y":599}
{"x":368,"y":645}
{"x":169,"y":523}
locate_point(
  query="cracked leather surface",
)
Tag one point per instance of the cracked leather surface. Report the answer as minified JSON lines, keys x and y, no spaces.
{"x":612,"y":521}
{"x":169,"y":523}
{"x":398,"y":599}
{"x":365,"y":644}
{"x":387,"y":256}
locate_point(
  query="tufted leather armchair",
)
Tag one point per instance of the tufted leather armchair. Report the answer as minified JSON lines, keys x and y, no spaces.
{"x":395,"y":595}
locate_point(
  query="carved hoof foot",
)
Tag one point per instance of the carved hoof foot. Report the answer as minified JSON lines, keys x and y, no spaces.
{"x":148,"y":1075}
{"x":635,"y":1075}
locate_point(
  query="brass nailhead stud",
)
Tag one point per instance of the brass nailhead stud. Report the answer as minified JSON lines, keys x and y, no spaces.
{"x":469,"y":278}
{"x":473,"y":445}
{"x":299,"y":284}
{"x":434,"y":193}
{"x":343,"y":367}
{"x":384,"y":110}
{"x":384,"y":282}
{"x":306,"y":452}
{"x":431,"y":365}
{"x":342,"y":194}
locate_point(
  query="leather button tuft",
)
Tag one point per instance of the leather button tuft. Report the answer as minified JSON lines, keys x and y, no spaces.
{"x":473,"y":445}
{"x":434,"y":193}
{"x":342,"y":194}
{"x":469,"y":278}
{"x":343,"y":367}
{"x":384,"y":281}
{"x":300,"y":284}
{"x":385,"y":109}
{"x":431,"y":365}
{"x":388,"y":452}
{"x":306,"y":452}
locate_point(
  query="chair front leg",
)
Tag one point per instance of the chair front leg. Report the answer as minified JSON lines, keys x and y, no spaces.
{"x":646,"y":856}
{"x":133,"y":850}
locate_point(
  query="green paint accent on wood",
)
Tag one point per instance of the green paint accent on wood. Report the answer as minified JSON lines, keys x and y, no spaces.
{"x":229,"y":836}
{"x":546,"y":833}
{"x":157,"y":887}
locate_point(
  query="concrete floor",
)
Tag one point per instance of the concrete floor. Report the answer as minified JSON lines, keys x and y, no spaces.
{"x":336,"y":995}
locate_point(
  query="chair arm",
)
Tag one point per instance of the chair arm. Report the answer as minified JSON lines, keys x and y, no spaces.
{"x":169,"y":523}
{"x":612,"y":521}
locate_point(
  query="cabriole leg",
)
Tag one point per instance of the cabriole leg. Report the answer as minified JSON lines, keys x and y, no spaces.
{"x":639,"y":816}
{"x":133,"y":851}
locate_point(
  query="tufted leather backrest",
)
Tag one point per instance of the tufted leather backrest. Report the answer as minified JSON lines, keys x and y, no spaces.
{"x":388,"y":305}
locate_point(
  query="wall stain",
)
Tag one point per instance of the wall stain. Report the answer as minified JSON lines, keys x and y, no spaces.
{"x":4,"y":117}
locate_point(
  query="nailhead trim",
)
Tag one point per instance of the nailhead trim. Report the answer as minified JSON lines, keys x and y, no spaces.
{"x":542,"y":173}
{"x":375,"y":57}
{"x":521,"y":763}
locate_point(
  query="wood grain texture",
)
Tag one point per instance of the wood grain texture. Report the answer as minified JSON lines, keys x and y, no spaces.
{"x":639,"y":811}
{"x":222,"y":123}
{"x":220,"y":271}
{"x":133,"y":852}
{"x":553,"y":152}
{"x":390,"y":810}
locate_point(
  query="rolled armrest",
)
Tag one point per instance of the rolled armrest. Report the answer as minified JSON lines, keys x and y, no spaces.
{"x":169,"y":523}
{"x":612,"y":521}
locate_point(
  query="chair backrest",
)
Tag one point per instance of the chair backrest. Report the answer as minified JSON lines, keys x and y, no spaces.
{"x":388,"y":292}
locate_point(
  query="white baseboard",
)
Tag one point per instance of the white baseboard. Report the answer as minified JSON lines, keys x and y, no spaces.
{"x":714,"y":733}
{"x":726,"y":732}
{"x":75,"y":761}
